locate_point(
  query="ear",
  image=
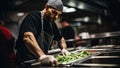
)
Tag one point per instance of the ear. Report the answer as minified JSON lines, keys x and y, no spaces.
{"x":46,"y":6}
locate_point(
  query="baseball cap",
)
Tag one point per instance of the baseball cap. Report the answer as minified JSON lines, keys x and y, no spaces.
{"x":57,"y":4}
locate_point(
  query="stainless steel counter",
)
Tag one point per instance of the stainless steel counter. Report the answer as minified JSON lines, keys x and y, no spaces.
{"x":107,"y":59}
{"x":102,"y":56}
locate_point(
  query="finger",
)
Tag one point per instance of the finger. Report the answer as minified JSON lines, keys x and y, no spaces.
{"x":63,"y":54}
{"x":68,"y":53}
{"x":52,"y":63}
{"x":55,"y":62}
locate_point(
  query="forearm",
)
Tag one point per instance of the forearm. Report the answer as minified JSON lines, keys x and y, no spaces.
{"x":63,"y":46}
{"x":62,"y":43}
{"x":32,"y":44}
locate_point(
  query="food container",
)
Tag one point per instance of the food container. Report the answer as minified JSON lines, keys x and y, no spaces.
{"x":75,"y":57}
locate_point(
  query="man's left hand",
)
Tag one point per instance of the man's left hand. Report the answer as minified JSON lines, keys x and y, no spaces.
{"x":65,"y":52}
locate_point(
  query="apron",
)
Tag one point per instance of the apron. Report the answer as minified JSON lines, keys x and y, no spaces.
{"x":44,"y":39}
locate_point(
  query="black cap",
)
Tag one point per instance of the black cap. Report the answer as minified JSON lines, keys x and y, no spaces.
{"x":57,"y":4}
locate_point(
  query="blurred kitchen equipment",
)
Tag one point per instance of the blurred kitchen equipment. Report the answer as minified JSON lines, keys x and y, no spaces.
{"x":84,"y":35}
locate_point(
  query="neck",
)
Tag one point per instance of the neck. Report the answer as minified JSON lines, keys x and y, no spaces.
{"x":43,"y":11}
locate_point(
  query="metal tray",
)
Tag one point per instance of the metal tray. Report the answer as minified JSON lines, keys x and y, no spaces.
{"x":82,"y":59}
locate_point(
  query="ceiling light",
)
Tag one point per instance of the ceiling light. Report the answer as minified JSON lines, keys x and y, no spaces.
{"x":81,"y":6}
{"x":99,"y":21}
{"x":72,"y":3}
{"x":68,"y":10}
{"x":20,"y":14}
{"x":86,"y":19}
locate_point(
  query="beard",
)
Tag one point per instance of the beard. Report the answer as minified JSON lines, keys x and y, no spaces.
{"x":50,"y":16}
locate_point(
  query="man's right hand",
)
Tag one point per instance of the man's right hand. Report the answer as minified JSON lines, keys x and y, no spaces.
{"x":48,"y":60}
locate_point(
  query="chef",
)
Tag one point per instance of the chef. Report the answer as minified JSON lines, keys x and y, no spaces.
{"x":36,"y":33}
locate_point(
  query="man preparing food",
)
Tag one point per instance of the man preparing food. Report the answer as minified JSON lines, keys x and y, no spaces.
{"x":37,"y":31}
